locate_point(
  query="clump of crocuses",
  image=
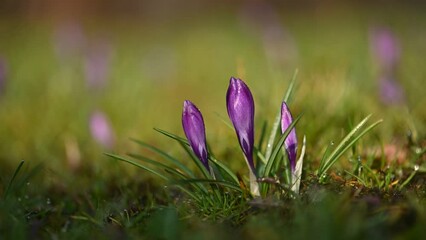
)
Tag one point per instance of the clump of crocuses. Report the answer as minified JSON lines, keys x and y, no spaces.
{"x":276,"y":172}
{"x":240,"y":106}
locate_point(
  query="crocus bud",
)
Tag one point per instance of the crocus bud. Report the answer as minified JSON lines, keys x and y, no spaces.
{"x":291,"y":142}
{"x":240,"y":106}
{"x":193,"y":126}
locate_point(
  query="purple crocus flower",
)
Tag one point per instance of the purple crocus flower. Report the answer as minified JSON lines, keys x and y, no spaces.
{"x":193,"y":126}
{"x":101,"y":130}
{"x":240,"y":107}
{"x":291,"y":142}
{"x":385,"y":48}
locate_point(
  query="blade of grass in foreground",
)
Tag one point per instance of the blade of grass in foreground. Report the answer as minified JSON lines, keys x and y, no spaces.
{"x":137,"y":165}
{"x":277,"y":121}
{"x":225,"y":169}
{"x":166,"y":157}
{"x":212,"y":181}
{"x":273,"y":158}
{"x":185,"y":145}
{"x":344,"y":145}
{"x":165,"y":167}
{"x":151,"y":171}
{"x":278,"y":147}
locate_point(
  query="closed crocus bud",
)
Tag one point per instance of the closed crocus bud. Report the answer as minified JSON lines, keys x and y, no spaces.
{"x":240,"y":106}
{"x":291,"y":142}
{"x":193,"y":126}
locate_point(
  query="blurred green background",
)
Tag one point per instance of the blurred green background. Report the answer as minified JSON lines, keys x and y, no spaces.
{"x":69,"y":67}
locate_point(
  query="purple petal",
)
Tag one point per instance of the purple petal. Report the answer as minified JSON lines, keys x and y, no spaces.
{"x":291,"y":142}
{"x":193,"y":126}
{"x":240,"y":107}
{"x":101,"y":130}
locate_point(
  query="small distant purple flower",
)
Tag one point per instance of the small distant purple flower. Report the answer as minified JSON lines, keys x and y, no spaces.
{"x":262,"y":20}
{"x":101,"y":130}
{"x":385,"y":48}
{"x":240,"y":105}
{"x":97,"y":65}
{"x":69,"y":39}
{"x":291,"y":142}
{"x":193,"y":126}
{"x":391,"y":91}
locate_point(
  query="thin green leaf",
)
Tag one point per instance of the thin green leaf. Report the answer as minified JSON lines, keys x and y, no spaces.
{"x":185,"y":145}
{"x":278,"y":147}
{"x":151,"y":171}
{"x":262,"y":135}
{"x":325,"y":155}
{"x":358,"y":178}
{"x":166,"y":168}
{"x":6,"y":192}
{"x":197,"y":161}
{"x":409,"y":178}
{"x":173,"y":136}
{"x":212,"y":181}
{"x":224,"y":120}
{"x":277,"y":120}
{"x":345,"y":145}
{"x":137,"y":165}
{"x":224,"y":168}
{"x":341,"y":145}
{"x":165,"y":156}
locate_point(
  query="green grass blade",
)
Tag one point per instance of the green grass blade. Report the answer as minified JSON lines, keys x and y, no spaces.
{"x":278,"y":147}
{"x":354,"y":140}
{"x":262,"y":135}
{"x":153,"y":172}
{"x":156,"y":163}
{"x":341,"y":145}
{"x":277,"y":120}
{"x":225,"y":120}
{"x":165,"y":167}
{"x":212,"y":181}
{"x":166,"y":156}
{"x":372,"y":173}
{"x":260,"y":156}
{"x":137,"y":165}
{"x":6,"y":192}
{"x":224,"y":168}
{"x":416,"y":168}
{"x":197,"y":161}
{"x":185,"y":145}
{"x":345,"y":144}
{"x":290,"y":89}
{"x":357,"y":178}
{"x":173,"y":136}
{"x":325,"y":155}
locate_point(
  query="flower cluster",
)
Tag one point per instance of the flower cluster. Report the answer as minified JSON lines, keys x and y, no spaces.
{"x":240,"y":106}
